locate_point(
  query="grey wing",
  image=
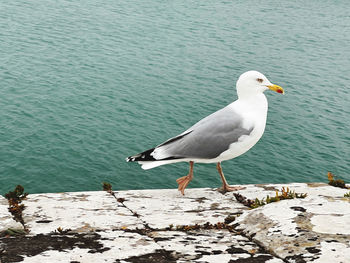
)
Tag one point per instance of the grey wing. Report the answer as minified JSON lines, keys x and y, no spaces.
{"x":208,"y":138}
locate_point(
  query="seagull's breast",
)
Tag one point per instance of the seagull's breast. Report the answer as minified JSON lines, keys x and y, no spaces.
{"x":254,"y":114}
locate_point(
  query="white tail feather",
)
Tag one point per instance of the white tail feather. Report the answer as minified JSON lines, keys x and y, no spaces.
{"x":150,"y":165}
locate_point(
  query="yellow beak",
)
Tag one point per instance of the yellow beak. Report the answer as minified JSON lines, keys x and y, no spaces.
{"x":276,"y":88}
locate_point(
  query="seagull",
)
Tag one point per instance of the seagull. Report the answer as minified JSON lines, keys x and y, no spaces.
{"x":223,"y":135}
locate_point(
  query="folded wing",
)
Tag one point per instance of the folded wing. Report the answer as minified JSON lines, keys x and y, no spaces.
{"x":207,"y":139}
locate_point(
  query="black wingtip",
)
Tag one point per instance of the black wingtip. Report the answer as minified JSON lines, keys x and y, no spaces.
{"x":132,"y":158}
{"x":144,"y":156}
{"x":129,"y":159}
{"x":147,"y":156}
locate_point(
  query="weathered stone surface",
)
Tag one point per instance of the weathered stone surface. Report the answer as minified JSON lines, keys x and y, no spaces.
{"x":134,"y":226}
{"x":6,"y":220}
{"x":161,"y":208}
{"x":301,"y":229}
{"x":80,"y":212}
{"x":120,"y":246}
{"x":106,"y":246}
{"x":211,"y":246}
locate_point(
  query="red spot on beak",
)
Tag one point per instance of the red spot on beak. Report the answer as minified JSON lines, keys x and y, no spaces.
{"x":279,"y":91}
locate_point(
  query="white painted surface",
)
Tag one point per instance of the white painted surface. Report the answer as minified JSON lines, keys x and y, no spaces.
{"x":316,"y":228}
{"x":6,"y":220}
{"x":80,"y":212}
{"x":161,"y":208}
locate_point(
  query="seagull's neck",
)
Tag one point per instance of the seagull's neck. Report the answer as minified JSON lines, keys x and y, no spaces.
{"x":257,"y":102}
{"x":254,"y":110}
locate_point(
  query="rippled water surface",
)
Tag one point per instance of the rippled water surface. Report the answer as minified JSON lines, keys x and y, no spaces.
{"x":83,"y":84}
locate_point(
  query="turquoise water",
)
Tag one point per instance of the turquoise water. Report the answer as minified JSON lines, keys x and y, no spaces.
{"x":84,"y":84}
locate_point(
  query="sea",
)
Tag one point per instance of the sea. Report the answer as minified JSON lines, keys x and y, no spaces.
{"x":86,"y":83}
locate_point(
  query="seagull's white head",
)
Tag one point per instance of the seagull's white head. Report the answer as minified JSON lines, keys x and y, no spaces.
{"x":253,"y":82}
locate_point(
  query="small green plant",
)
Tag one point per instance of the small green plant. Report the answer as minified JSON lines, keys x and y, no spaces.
{"x":337,"y":183}
{"x":13,"y":232}
{"x":15,"y":199}
{"x":347,"y":194}
{"x":286,"y":193}
{"x":218,"y":226}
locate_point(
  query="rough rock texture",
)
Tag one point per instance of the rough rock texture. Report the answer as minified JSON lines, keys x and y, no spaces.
{"x":312,"y":229}
{"x":81,"y":212}
{"x":164,"y":226}
{"x":160,"y":208}
{"x":6,"y":220}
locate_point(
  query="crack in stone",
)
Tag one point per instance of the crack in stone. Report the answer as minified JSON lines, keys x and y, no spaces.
{"x":121,"y":201}
{"x":305,"y":239}
{"x":260,"y":245}
{"x":168,"y":258}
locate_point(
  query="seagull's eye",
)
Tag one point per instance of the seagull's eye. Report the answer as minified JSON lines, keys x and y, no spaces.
{"x":259,"y":80}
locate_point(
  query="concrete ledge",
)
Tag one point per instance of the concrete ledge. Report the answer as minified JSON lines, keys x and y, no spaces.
{"x":164,"y":226}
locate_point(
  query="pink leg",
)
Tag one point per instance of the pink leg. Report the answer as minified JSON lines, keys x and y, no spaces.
{"x":225,"y":186}
{"x":185,"y":180}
